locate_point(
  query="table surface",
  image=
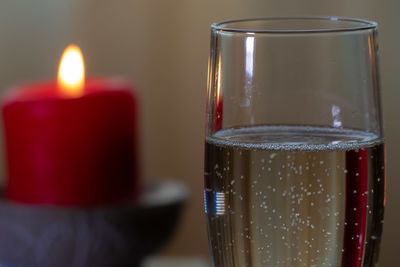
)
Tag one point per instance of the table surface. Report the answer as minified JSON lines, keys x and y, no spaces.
{"x":176,"y":262}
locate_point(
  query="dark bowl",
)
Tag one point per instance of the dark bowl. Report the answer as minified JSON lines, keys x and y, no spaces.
{"x":32,"y":235}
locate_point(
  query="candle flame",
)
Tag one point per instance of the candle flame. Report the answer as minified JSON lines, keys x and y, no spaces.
{"x":71,"y":72}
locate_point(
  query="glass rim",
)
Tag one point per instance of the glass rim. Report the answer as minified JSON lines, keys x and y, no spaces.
{"x":363,"y":24}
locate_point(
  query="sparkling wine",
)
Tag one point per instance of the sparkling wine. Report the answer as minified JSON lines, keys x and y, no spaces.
{"x":294,"y":196}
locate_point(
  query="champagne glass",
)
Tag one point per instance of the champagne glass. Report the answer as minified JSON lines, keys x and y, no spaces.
{"x":294,"y":160}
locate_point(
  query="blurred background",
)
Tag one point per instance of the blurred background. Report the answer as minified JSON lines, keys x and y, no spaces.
{"x":163,"y":47}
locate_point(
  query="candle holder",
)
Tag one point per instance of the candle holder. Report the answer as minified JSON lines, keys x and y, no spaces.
{"x":37,"y":235}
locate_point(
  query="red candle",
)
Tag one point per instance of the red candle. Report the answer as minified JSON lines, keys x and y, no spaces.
{"x":71,"y":142}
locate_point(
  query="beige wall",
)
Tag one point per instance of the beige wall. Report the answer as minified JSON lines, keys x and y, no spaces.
{"x":163,"y":46}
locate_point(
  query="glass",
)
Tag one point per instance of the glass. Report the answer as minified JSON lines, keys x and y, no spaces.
{"x":294,"y":161}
